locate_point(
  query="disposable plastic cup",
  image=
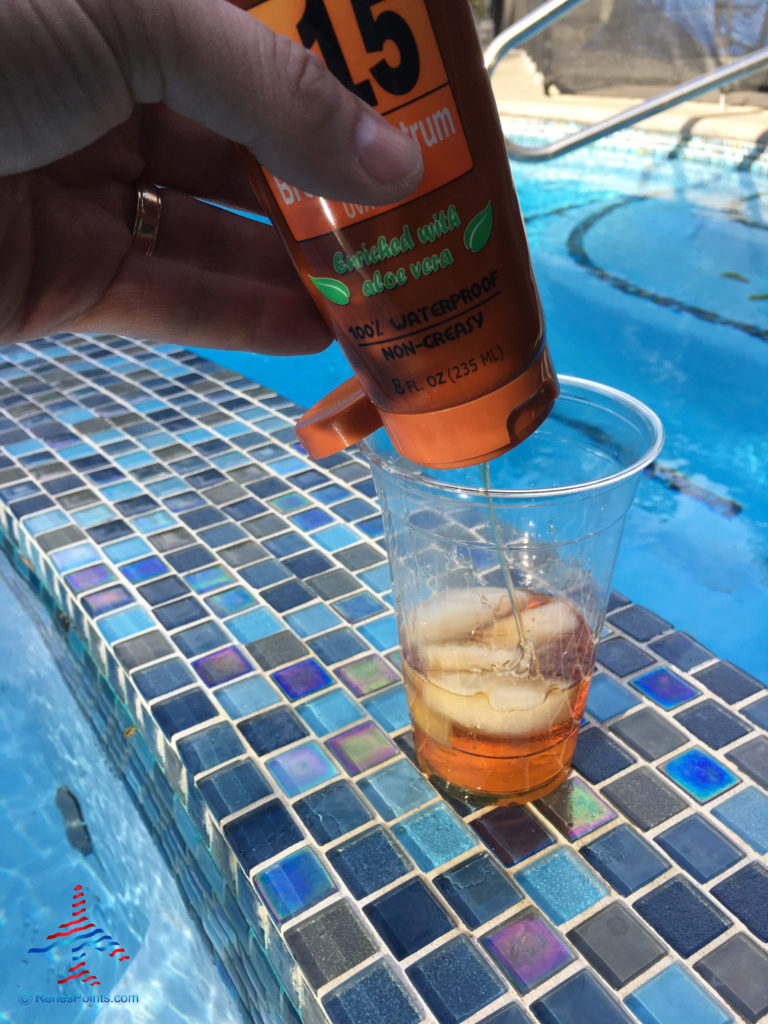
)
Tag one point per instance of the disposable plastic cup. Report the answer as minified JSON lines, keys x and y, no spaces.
{"x":500,"y":594}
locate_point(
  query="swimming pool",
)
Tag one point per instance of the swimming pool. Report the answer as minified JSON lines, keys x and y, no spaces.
{"x":653,"y":274}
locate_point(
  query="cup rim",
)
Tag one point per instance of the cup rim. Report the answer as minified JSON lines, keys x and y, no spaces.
{"x":640,"y":409}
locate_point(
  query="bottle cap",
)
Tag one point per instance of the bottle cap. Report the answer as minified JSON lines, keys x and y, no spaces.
{"x":461,"y":435}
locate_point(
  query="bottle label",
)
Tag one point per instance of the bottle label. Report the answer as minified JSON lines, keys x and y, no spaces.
{"x":385,"y":51}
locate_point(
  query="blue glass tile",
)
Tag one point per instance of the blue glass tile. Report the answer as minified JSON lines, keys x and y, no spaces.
{"x":434,"y":836}
{"x":254,"y":625}
{"x":650,"y":733}
{"x":233,"y":788}
{"x":222,"y":666}
{"x":478,"y":890}
{"x":37,"y":524}
{"x":374,"y":996}
{"x":373,"y":527}
{"x":272,"y":730}
{"x":92,"y":515}
{"x":508,"y":1015}
{"x":190,"y":558}
{"x":246,"y":696}
{"x":746,"y":813}
{"x":597,"y":757}
{"x":294,"y":884}
{"x":681,"y":650}
{"x":757,"y":712}
{"x":640,"y":623}
{"x":622,"y":657}
{"x":218,"y":536}
{"x":154,"y":521}
{"x":561,"y":885}
{"x":75,"y":556}
{"x":738,"y":971}
{"x":512,"y":833}
{"x":699,"y":847}
{"x":381,"y":633}
{"x":163,"y":678}
{"x":713,"y":724}
{"x":727,"y":681}
{"x":665,"y":688}
{"x":107,"y":600}
{"x":699,"y":774}
{"x":359,"y":606}
{"x":127,"y":622}
{"x":198,"y":518}
{"x":86,"y":579}
{"x":143,"y":570}
{"x":204,"y":580}
{"x":396,"y":789}
{"x":180,"y":613}
{"x":209,"y":747}
{"x":334,"y":538}
{"x":316,"y":618}
{"x":226,"y":602}
{"x":332,"y":812}
{"x":581,"y":998}
{"x":284,"y":544}
{"x":377,"y":579}
{"x":456,"y":981}
{"x":262,"y":574}
{"x":303,"y":678}
{"x":308,"y":563}
{"x":389,"y":709}
{"x":337,"y":645}
{"x":329,"y":712}
{"x":262,"y":833}
{"x":163,"y":590}
{"x":302,"y":768}
{"x":182,"y":712}
{"x":745,"y":894}
{"x":607,"y":698}
{"x":752,"y":758}
{"x":124,"y":550}
{"x":682,"y":916}
{"x":624,"y":859}
{"x":673,"y":996}
{"x":108,"y":532}
{"x":199,"y":639}
{"x":408,"y":918}
{"x":369,"y":862}
{"x":617,"y":944}
{"x":311,"y":519}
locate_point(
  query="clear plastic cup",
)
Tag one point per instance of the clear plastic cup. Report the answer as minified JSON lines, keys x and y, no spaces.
{"x":500,"y":594}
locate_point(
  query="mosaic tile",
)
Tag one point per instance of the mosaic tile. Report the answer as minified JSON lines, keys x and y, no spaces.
{"x":367,"y":675}
{"x":369,"y":862}
{"x":597,"y":757}
{"x":221,"y":666}
{"x":233,"y":788}
{"x":640,"y":623}
{"x":607,"y":698}
{"x":408,"y":918}
{"x":512,"y":833}
{"x":622,"y":657}
{"x":362,"y":747}
{"x":665,"y":688}
{"x":254,"y":625}
{"x":728,"y":682}
{"x":561,"y":885}
{"x":682,"y":916}
{"x":279,"y":649}
{"x":332,"y":812}
{"x":433,"y":836}
{"x":338,"y":645}
{"x":312,"y":619}
{"x":107,"y":600}
{"x":204,"y":580}
{"x":302,"y":679}
{"x":180,"y":613}
{"x":389,"y":709}
{"x":200,"y":638}
{"x":699,"y":774}
{"x":478,"y":890}
{"x":738,"y":971}
{"x":245,"y":696}
{"x":713,"y":724}
{"x":624,"y":859}
{"x":209,"y":747}
{"x":757,"y":712}
{"x":674,"y":995}
{"x":396,"y":789}
{"x":163,"y":678}
{"x":294,"y":884}
{"x":374,"y":996}
{"x":302,"y":768}
{"x":329,"y":944}
{"x":329,"y":712}
{"x":649,"y":733}
{"x":179,"y":713}
{"x":681,"y":650}
{"x":745,"y":895}
{"x":120,"y":624}
{"x":644,"y":798}
{"x":575,"y":809}
{"x":262,"y":833}
{"x":528,"y":950}
{"x":455,"y":981}
{"x":752,"y":758}
{"x":144,"y":569}
{"x":227,"y":602}
{"x":581,"y":998}
{"x":272,"y":730}
{"x":616,"y":944}
{"x":746,"y":814}
{"x":699,"y":847}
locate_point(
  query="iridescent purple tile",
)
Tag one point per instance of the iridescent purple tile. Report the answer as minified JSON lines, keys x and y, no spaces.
{"x":221,"y":666}
{"x":366,"y":675}
{"x":107,"y":600}
{"x":528,"y":950}
{"x":302,"y":678}
{"x":294,"y":884}
{"x":362,"y":747}
{"x":699,"y":774}
{"x":667,"y":689}
{"x":575,"y":809}
{"x":87,"y":579}
{"x":144,"y":569}
{"x":302,"y":768}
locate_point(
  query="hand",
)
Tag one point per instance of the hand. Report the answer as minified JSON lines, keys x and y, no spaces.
{"x":95,"y":95}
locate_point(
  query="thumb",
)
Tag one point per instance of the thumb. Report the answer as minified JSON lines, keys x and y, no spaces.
{"x":210,"y":61}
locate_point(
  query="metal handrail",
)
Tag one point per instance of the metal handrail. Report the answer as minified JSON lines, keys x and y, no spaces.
{"x":549,"y":12}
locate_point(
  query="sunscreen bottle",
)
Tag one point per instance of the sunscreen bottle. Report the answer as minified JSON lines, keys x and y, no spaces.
{"x":432,"y":299}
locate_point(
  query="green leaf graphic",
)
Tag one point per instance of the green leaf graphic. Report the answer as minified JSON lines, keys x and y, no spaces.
{"x":759,"y":297}
{"x":734,"y":275}
{"x":332,"y":289}
{"x":479,"y":229}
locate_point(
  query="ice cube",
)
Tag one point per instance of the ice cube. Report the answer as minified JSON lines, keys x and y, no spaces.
{"x":463,"y":612}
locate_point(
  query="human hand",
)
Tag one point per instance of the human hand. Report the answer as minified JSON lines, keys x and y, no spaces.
{"x":96,"y":95}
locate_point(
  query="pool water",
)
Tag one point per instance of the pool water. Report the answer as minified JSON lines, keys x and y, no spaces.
{"x":46,"y":743}
{"x":653,"y":274}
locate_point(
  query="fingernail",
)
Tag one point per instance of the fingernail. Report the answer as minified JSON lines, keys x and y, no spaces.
{"x":386,"y":154}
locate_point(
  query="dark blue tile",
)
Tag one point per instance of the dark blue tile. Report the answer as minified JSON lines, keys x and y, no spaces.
{"x":284,"y":544}
{"x":231,"y":788}
{"x":408,"y":918}
{"x":135,"y":506}
{"x":580,"y":999}
{"x":728,"y":682}
{"x":752,"y":758}
{"x":245,"y":509}
{"x":190,"y":558}
{"x":200,"y":518}
{"x":337,"y":645}
{"x":682,"y":916}
{"x":332,"y":812}
{"x":597,"y":757}
{"x":354,"y":509}
{"x":650,"y":733}
{"x":288,"y":595}
{"x":369,"y":862}
{"x":224,"y":533}
{"x":179,"y":613}
{"x":209,"y":747}
{"x":29,"y":505}
{"x":478,"y":890}
{"x":622,"y":657}
{"x":738,"y":971}
{"x":745,"y":894}
{"x":616,"y":944}
{"x":264,"y":573}
{"x":374,"y":996}
{"x":160,"y":591}
{"x":308,"y":563}
{"x":681,"y":650}
{"x":198,"y":639}
{"x":267,"y":487}
{"x":262,"y":833}
{"x":107,"y":532}
{"x":644,"y":798}
{"x":182,"y":712}
{"x":273,"y":729}
{"x":508,"y":1015}
{"x":640,"y":623}
{"x":757,"y":712}
{"x":456,"y":981}
{"x":624,"y":859}
{"x":713,"y":724}
{"x":699,"y":847}
{"x":512,"y":833}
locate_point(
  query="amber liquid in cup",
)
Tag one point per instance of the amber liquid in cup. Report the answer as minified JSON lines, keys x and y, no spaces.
{"x":496,"y":715}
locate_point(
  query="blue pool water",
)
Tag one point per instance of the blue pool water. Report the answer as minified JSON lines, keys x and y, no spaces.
{"x":654,"y":279}
{"x":130,"y":893}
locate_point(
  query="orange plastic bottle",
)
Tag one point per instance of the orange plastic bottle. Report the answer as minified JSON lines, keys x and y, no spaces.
{"x":433,"y":299}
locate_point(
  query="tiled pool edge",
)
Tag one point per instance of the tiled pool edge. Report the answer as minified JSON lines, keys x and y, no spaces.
{"x":629,"y":654}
